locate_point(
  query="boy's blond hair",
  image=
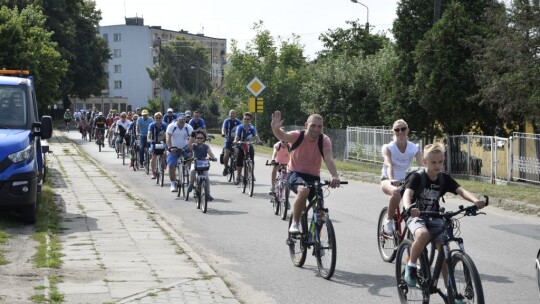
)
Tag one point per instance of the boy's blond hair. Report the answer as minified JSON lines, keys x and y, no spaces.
{"x":433,"y":149}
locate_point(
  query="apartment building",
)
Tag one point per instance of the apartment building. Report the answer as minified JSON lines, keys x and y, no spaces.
{"x":134,"y":49}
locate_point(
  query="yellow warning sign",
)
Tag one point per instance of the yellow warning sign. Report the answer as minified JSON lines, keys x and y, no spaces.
{"x":255,"y":86}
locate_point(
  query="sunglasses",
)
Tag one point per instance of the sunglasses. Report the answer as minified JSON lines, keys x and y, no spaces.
{"x":200,"y":137}
{"x":158,"y":117}
{"x":403,"y":129}
{"x":284,"y":142}
{"x":247,"y":118}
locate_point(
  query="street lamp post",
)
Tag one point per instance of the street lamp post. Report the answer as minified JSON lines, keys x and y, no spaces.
{"x":157,"y":44}
{"x":367,"y":8}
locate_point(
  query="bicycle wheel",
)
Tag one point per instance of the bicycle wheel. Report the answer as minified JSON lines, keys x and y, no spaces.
{"x":250,"y":180}
{"x":275,"y":204}
{"x":419,"y":293}
{"x":468,"y":284}
{"x":124,"y":154}
{"x":185,"y":173}
{"x":325,"y":248}
{"x":387,"y":243}
{"x":297,"y":247}
{"x":244,"y":178}
{"x":203,"y":197}
{"x":99,"y":144}
{"x":146,"y":161}
{"x":180,"y":181}
{"x":285,"y":203}
{"x":232,"y":166}
{"x":161,"y":170}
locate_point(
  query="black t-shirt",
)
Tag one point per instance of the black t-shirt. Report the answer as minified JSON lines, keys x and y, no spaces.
{"x":427,"y":199}
{"x":100,"y":122}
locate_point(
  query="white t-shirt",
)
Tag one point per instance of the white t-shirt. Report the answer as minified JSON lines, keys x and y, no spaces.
{"x":400,"y":161}
{"x":124,"y":125}
{"x":179,"y":137}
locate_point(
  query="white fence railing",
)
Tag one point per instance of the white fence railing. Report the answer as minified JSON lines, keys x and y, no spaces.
{"x":495,"y":158}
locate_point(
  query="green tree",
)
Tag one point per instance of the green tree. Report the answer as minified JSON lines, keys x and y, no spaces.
{"x":509,"y":63}
{"x":281,"y":70}
{"x":26,"y":44}
{"x":353,"y":41}
{"x":74,"y":26}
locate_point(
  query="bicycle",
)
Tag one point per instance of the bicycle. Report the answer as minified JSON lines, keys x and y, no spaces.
{"x":247,"y":179}
{"x":231,"y":165}
{"x":182,"y":174}
{"x":146,"y":162}
{"x":320,"y":234}
{"x":134,"y":153}
{"x":122,"y":153}
{"x":280,"y":198}
{"x":161,"y":158}
{"x":463,"y":278}
{"x":100,"y":140}
{"x":200,"y":184}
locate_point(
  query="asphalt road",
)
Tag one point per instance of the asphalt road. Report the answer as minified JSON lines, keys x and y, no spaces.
{"x":245,"y":243}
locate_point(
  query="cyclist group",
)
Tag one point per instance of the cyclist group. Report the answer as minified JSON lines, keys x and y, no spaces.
{"x":303,"y":152}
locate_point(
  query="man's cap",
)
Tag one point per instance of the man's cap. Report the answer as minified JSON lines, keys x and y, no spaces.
{"x":188,"y":113}
{"x":181,"y":116}
{"x":100,"y":113}
{"x":169,"y":110}
{"x":144,"y":112}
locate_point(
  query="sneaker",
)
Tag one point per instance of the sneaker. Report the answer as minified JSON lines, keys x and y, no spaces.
{"x":459,"y":302}
{"x":190,"y":188}
{"x":388,"y":227}
{"x":238,"y":180}
{"x":295,"y":228}
{"x":154,"y":176}
{"x":272,"y":191}
{"x":410,"y":276}
{"x":210,"y":198}
{"x":225,"y":171}
{"x":173,"y":187}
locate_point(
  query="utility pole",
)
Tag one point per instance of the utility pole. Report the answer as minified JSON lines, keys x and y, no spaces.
{"x":367,"y":19}
{"x":436,"y":11}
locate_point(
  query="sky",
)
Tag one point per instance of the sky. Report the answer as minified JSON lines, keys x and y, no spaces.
{"x":234,"y":19}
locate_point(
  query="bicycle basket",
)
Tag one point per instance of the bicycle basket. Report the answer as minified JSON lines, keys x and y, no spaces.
{"x":159,"y":149}
{"x":202,"y":165}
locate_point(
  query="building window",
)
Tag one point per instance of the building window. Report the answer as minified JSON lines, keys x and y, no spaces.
{"x":118,"y":68}
{"x":118,"y":84}
{"x":106,"y":37}
{"x":117,"y":53}
{"x":117,"y":37}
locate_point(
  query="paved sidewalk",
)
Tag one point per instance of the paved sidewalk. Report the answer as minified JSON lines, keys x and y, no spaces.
{"x":116,"y":250}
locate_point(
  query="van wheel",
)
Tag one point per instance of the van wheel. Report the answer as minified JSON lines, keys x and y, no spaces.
{"x":29,"y":213}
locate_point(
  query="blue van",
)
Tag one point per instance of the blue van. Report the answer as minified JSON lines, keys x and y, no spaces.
{"x":22,"y":165}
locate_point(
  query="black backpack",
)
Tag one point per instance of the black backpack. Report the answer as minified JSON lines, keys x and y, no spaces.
{"x":423,"y":181}
{"x":301,"y":138}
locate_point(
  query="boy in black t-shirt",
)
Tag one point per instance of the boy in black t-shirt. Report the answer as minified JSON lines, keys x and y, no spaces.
{"x":426,"y":197}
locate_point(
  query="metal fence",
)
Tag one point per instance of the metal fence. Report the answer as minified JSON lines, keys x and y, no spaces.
{"x":338,"y":137}
{"x":525,"y":156}
{"x":490,"y":157}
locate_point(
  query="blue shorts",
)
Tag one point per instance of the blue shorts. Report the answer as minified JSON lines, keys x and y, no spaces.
{"x":172,"y":157}
{"x":297,"y":177}
{"x":432,"y":225}
{"x":228,"y":144}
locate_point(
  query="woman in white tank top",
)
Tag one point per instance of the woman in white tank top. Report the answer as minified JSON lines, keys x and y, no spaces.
{"x":398,"y":156}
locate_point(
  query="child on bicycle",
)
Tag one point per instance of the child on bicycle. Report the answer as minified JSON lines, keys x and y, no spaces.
{"x":201,"y":151}
{"x":425,"y":193}
{"x":280,"y":155}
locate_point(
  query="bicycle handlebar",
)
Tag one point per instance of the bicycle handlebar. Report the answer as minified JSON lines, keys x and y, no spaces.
{"x":315,"y":184}
{"x":468,"y":211}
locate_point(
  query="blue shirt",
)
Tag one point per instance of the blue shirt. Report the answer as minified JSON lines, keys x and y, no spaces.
{"x":197,"y":125}
{"x":243,"y":134}
{"x":229,"y":124}
{"x":143,"y":125}
{"x":169,"y":118}
{"x":157,"y":133}
{"x":200,"y":151}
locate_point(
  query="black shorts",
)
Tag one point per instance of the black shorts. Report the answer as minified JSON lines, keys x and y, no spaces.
{"x":297,"y":177}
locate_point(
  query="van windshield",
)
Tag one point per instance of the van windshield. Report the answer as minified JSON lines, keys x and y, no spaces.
{"x":13,"y":105}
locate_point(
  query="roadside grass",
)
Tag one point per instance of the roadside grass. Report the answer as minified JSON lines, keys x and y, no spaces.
{"x":48,"y":252}
{"x":512,"y":191}
{"x":4,"y":238}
